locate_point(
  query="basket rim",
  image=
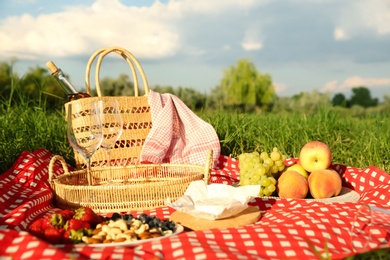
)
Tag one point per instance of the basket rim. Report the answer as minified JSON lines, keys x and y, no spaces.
{"x":137,"y":182}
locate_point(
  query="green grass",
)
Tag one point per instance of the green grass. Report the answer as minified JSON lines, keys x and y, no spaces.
{"x":354,"y":141}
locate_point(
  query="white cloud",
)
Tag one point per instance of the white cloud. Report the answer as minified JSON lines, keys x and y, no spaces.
{"x":361,"y":15}
{"x":292,"y":39}
{"x":251,"y":41}
{"x":81,"y":30}
{"x":251,"y":45}
{"x":356,"y":81}
{"x":339,"y":34}
{"x":150,"y":32}
{"x":376,"y":15}
{"x":280,"y":88}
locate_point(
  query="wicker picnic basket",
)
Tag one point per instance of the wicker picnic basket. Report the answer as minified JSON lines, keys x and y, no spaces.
{"x":135,"y":111}
{"x":132,"y":187}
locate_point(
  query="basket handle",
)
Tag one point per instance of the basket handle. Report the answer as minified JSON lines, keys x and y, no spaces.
{"x":131,"y":60}
{"x":208,"y":166}
{"x":51,"y":166}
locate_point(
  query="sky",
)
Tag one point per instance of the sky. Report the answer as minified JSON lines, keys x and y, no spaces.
{"x":330,"y":46}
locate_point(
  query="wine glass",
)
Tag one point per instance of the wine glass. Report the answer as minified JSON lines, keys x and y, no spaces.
{"x":112,"y":124}
{"x":84,"y":130}
{"x":370,"y":228}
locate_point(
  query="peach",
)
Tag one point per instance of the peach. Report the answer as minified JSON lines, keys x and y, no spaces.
{"x":315,"y":155}
{"x":299,"y":169}
{"x":292,"y":184}
{"x":324,"y":183}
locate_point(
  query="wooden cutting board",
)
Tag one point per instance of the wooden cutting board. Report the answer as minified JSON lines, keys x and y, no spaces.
{"x":248,"y":216}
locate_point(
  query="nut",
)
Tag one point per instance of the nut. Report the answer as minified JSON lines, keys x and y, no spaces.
{"x":91,"y":240}
{"x":96,"y":231}
{"x":141,"y":229}
{"x":120,"y":239}
{"x":167,"y":232}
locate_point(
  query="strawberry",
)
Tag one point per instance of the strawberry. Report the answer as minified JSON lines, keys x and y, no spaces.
{"x":76,"y":224}
{"x":67,"y":214}
{"x":53,"y":220}
{"x":88,"y":215}
{"x":72,"y":236}
{"x":54,"y":235}
{"x":35,"y":228}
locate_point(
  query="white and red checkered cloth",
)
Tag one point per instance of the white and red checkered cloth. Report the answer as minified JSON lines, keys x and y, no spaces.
{"x":178,"y":135}
{"x":288,"y":228}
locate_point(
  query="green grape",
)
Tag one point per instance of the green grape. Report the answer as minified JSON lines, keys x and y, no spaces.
{"x":265,"y":182}
{"x":266,"y":192}
{"x":264,"y":155}
{"x":269,"y":161}
{"x":271,"y":188}
{"x":275,"y":155}
{"x":273,"y":180}
{"x":244,"y":181}
{"x":274,"y":169}
{"x":261,"y":170}
{"x":263,"y":177}
{"x":255,"y":178}
{"x":266,"y":167}
{"x":278,"y":163}
{"x":257,"y":165}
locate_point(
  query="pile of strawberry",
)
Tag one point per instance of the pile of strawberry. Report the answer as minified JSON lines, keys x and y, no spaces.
{"x":66,"y":226}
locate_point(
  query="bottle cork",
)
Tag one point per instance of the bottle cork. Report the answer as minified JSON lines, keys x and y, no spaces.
{"x":52,"y":67}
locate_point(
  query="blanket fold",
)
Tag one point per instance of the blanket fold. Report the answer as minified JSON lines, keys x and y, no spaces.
{"x":178,"y":135}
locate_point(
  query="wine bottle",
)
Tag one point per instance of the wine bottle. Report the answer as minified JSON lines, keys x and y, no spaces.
{"x":68,"y":88}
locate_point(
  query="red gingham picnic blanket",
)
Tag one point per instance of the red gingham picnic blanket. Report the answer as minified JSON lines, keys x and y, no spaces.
{"x":287,"y":229}
{"x":178,"y":135}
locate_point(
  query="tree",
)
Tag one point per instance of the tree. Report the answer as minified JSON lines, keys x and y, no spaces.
{"x":304,"y":102}
{"x":122,"y":86}
{"x":361,"y":96}
{"x":38,"y":83}
{"x":192,"y":98}
{"x":5,"y":78}
{"x":245,"y":88}
{"x":339,"y":100}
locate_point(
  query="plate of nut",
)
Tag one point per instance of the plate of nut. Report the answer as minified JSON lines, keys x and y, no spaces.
{"x":127,"y":230}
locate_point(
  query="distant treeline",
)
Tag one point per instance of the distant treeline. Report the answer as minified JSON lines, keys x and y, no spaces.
{"x":241,"y":88}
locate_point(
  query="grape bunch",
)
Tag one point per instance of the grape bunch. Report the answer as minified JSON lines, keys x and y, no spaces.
{"x":261,"y":169}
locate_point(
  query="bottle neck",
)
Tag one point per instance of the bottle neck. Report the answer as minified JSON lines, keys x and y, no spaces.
{"x":65,"y":84}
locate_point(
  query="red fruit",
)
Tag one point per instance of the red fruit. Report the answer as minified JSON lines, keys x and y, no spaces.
{"x":54,"y":235}
{"x":35,"y":228}
{"x":53,"y":220}
{"x":76,"y":224}
{"x":72,"y":236}
{"x":67,"y":214}
{"x":88,"y":215}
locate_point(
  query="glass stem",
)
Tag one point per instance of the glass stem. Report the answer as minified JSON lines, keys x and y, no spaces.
{"x":108,"y":152}
{"x":89,"y":177}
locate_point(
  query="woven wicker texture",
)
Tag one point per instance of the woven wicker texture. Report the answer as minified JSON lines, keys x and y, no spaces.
{"x":135,"y":111}
{"x":134,"y":187}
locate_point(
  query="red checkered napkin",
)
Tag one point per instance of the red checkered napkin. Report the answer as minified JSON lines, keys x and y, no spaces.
{"x":178,"y":135}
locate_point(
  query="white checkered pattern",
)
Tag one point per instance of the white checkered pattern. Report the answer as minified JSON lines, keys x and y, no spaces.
{"x":288,"y":229}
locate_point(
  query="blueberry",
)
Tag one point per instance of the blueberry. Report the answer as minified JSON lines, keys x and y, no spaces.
{"x":154,"y":222}
{"x":127,"y":217}
{"x":115,"y":216}
{"x":168,"y":225}
{"x":144,"y":218}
